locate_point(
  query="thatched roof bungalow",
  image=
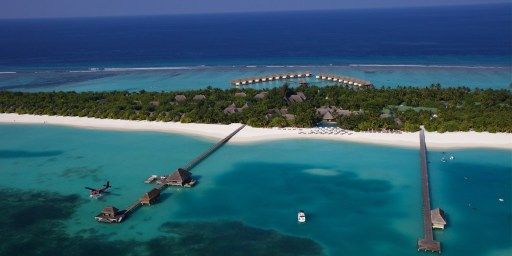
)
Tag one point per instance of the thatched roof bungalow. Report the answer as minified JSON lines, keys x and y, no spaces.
{"x":180,"y":98}
{"x":110,"y":214}
{"x":199,"y":97}
{"x":261,"y":95}
{"x":180,"y":177}
{"x":150,"y":197}
{"x":438,"y":218}
{"x":240,"y":94}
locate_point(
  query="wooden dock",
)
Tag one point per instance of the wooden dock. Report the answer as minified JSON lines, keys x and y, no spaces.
{"x":427,"y":243}
{"x":212,"y":149}
{"x":134,"y":206}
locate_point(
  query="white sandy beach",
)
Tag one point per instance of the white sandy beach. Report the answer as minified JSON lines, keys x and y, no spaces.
{"x":250,"y":134}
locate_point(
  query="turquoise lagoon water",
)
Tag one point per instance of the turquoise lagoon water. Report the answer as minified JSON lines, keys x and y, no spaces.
{"x":360,"y":199}
{"x":198,"y":77}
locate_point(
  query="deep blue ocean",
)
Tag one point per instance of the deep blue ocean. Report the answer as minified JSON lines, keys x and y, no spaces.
{"x":454,"y":46}
{"x":467,"y":35}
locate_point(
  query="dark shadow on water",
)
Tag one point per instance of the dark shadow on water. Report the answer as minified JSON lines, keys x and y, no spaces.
{"x":37,"y":217}
{"x":365,"y":206}
{"x":28,"y":154}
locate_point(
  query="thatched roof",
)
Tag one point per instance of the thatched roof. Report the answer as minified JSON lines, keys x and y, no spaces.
{"x":240,"y":94}
{"x":328,"y":116}
{"x":261,"y":95}
{"x":199,"y":97}
{"x":110,"y":210}
{"x":295,"y":98}
{"x":154,"y":193}
{"x":323,"y":110}
{"x":301,"y":95}
{"x":231,"y":109}
{"x":180,"y":98}
{"x":155,"y":103}
{"x":180,"y":175}
{"x":437,"y":216}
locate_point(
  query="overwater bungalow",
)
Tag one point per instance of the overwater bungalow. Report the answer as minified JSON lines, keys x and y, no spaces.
{"x":150,"y":197}
{"x":438,"y":218}
{"x":110,"y":214}
{"x":181,"y":177}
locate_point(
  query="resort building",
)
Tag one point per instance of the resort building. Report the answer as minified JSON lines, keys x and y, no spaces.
{"x":199,"y":97}
{"x":180,"y":177}
{"x":261,"y":95}
{"x":110,"y":214}
{"x":150,"y":197}
{"x":240,"y":94}
{"x":180,"y":98}
{"x":298,"y":97}
{"x":438,"y":218}
{"x":231,"y":109}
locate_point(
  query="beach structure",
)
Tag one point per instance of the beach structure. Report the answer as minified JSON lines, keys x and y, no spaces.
{"x":438,"y":218}
{"x":240,"y":94}
{"x":427,"y":243}
{"x":110,"y":214}
{"x":231,"y":109}
{"x":298,"y":97}
{"x":267,"y":78}
{"x":150,"y":197}
{"x":180,"y":177}
{"x":261,"y":95}
{"x":345,"y":80}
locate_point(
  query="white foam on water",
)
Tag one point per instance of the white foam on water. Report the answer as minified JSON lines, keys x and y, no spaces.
{"x":321,"y":172}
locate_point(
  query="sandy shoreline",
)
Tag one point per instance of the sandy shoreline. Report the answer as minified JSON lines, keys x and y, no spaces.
{"x":250,"y":134}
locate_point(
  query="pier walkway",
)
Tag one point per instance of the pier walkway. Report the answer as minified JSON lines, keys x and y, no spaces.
{"x":212,"y":149}
{"x":427,"y":243}
{"x":130,"y":209}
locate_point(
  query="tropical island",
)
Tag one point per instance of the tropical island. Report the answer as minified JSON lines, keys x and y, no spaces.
{"x":352,"y":108}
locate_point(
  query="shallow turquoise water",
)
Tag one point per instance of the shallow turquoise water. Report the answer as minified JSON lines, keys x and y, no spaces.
{"x":187,"y":78}
{"x":361,"y":199}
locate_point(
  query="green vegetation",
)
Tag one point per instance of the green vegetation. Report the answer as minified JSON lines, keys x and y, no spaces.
{"x":438,"y":109}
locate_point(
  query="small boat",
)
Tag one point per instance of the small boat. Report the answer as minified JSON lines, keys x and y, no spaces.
{"x":301,"y":217}
{"x":151,"y":179}
{"x":501,"y":199}
{"x":452,"y":157}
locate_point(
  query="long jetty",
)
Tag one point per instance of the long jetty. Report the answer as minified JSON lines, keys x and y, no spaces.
{"x":427,"y":243}
{"x":212,"y":149}
{"x":121,"y":215}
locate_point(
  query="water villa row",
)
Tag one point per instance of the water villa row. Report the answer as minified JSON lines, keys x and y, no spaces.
{"x":181,"y":177}
{"x":345,"y":80}
{"x":252,"y":80}
{"x":340,"y":79}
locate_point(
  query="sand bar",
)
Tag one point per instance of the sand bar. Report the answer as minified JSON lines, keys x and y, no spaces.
{"x":251,"y":134}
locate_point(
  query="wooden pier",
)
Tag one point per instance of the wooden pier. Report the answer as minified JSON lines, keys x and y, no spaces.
{"x":111,"y":215}
{"x":427,"y":243}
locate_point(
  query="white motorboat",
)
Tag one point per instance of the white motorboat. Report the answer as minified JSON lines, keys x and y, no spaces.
{"x":301,"y":217}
